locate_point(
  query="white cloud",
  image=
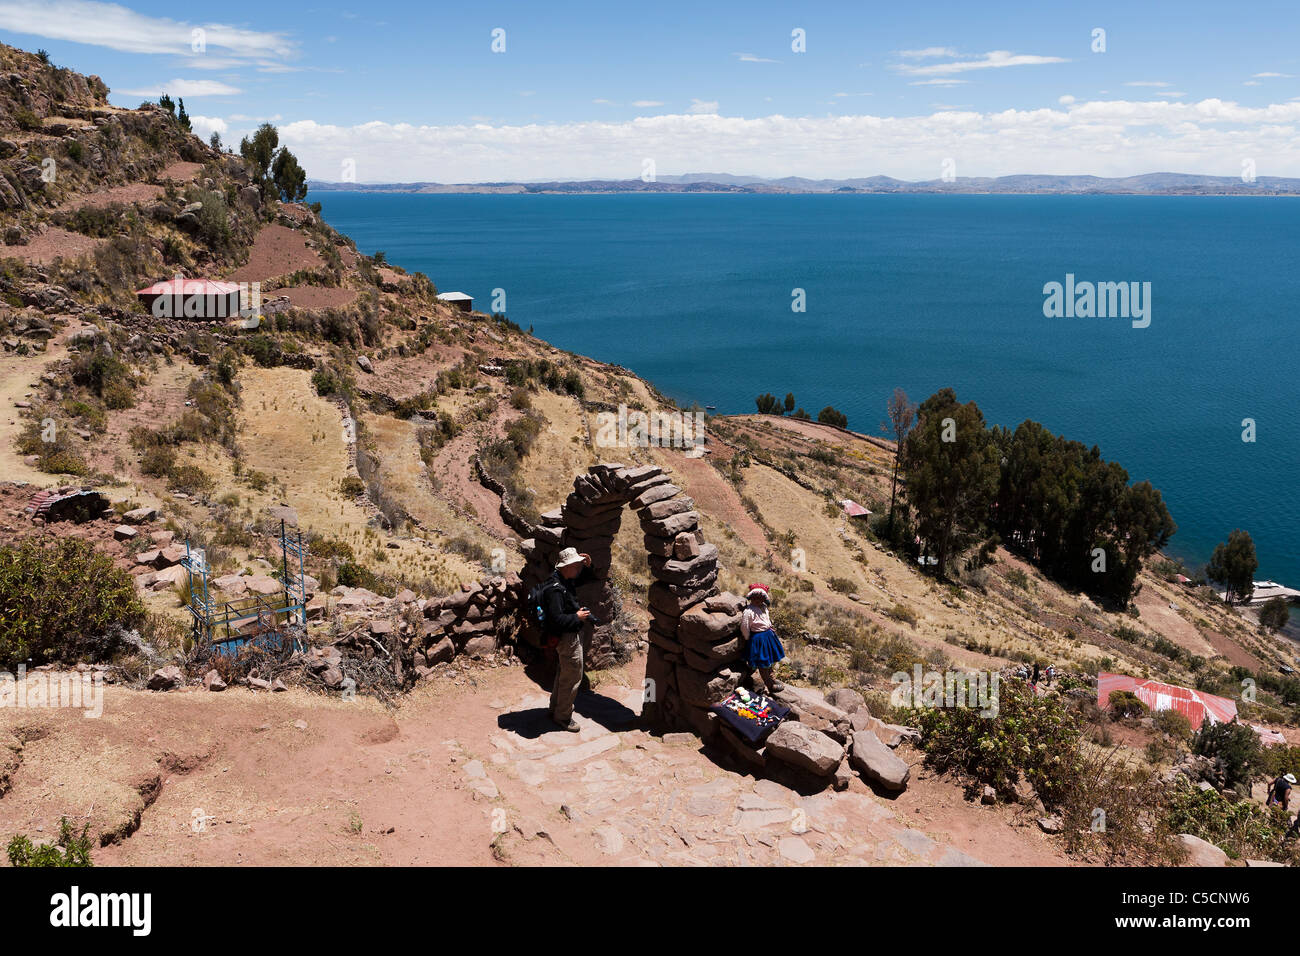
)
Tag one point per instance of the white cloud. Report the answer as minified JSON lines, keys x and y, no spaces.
{"x":1104,"y":137}
{"x":928,"y":52}
{"x":114,"y":26}
{"x":995,"y":59}
{"x":1066,"y":100}
{"x":646,"y":104}
{"x":603,"y":102}
{"x":753,"y":58}
{"x":175,"y":88}
{"x":205,"y":126}
{"x":703,"y":106}
{"x":1272,"y":76}
{"x":939,"y":81}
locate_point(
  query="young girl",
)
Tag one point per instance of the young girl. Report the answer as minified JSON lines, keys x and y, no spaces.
{"x":764,"y":647}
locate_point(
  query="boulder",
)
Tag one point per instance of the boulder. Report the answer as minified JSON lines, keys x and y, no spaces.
{"x":805,"y":748}
{"x":169,"y":578}
{"x":877,"y":763}
{"x":441,"y":653}
{"x":212,"y":681}
{"x":124,"y":533}
{"x":845,"y":699}
{"x":166,"y":678}
{"x":1201,"y":852}
{"x":705,"y":689}
{"x":233,"y":584}
{"x":806,"y":700}
{"x":481,"y":646}
{"x":140,"y":515}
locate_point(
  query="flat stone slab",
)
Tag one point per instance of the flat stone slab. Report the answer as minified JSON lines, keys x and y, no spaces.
{"x":585,"y":751}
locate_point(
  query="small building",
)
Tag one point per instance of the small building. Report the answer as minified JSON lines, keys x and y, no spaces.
{"x":457,"y":300}
{"x":853,"y":509}
{"x":181,"y":298}
{"x":69,"y":504}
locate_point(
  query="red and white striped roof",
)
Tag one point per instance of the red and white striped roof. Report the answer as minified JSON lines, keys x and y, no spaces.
{"x":1195,"y":705}
{"x":180,"y":286}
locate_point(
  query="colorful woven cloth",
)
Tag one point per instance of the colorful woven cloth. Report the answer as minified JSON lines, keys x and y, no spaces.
{"x":753,"y":719}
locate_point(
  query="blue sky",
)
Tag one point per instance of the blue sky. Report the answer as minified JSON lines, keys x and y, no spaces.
{"x":414,"y":91}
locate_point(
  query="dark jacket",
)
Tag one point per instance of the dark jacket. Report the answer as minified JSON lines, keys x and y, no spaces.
{"x":561,"y":604}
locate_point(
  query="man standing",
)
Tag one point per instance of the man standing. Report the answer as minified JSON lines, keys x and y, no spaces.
{"x":564,"y":618}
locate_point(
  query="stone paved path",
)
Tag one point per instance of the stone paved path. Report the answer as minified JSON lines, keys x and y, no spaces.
{"x":623,"y":797}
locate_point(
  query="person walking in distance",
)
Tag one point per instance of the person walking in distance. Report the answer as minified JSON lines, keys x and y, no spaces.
{"x":565,"y":617}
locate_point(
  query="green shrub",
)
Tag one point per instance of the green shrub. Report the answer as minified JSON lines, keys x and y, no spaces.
{"x":324,"y":381}
{"x":190,"y":479}
{"x":353,"y":575}
{"x":27,"y":120}
{"x":1237,"y":746}
{"x":71,"y":849}
{"x":352,"y":486}
{"x":1241,"y":828}
{"x":1174,"y":724}
{"x":61,"y":599}
{"x":62,"y":462}
{"x":158,"y":461}
{"x":1124,"y":703}
{"x":1274,"y":614}
{"x":1032,"y":737}
{"x":107,"y":376}
{"x":903,"y":614}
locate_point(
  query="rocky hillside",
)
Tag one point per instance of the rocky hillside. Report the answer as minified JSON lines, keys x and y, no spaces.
{"x":416,"y":447}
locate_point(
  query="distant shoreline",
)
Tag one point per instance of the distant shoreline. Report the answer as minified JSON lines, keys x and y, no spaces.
{"x":1149,"y":184}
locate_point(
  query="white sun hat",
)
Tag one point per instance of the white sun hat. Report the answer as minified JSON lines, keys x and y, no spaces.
{"x":1289,"y":778}
{"x":567,"y":557}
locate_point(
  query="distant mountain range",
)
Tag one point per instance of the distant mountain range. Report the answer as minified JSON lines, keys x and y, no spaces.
{"x":1149,"y":184}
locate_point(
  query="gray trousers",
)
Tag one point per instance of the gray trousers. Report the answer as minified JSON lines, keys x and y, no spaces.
{"x":568,"y":676}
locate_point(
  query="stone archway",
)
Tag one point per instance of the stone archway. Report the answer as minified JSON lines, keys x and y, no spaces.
{"x":694,"y":639}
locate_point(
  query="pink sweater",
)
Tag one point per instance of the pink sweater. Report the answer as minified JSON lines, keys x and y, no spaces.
{"x":754,"y":621}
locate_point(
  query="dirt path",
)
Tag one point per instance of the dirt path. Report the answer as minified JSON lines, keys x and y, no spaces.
{"x":717,"y":498}
{"x":17,"y":375}
{"x":464,"y":773}
{"x":457,"y":483}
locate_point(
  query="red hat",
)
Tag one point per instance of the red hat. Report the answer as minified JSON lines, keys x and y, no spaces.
{"x":758,"y":589}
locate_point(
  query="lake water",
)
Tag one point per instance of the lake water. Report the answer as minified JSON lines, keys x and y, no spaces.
{"x":694,"y":293}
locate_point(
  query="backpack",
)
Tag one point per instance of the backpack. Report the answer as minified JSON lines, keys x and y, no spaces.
{"x":536,"y":603}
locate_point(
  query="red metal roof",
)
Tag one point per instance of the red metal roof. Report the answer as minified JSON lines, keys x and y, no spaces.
{"x":180,"y":286}
{"x":853,"y":509}
{"x":1195,"y":705}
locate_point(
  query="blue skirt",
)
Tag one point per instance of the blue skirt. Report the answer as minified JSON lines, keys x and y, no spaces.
{"x":765,"y":649}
